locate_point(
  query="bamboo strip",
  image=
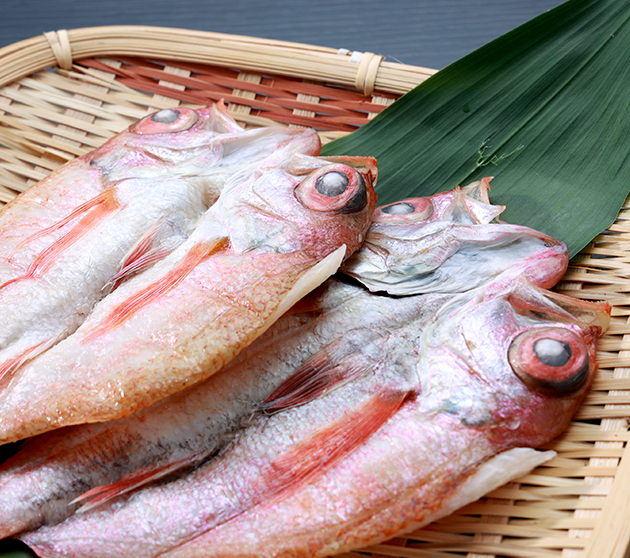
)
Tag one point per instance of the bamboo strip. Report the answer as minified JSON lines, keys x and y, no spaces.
{"x":259,"y":55}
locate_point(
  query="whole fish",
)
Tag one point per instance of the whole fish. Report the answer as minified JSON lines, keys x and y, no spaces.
{"x":272,"y":236}
{"x":351,"y":332}
{"x":104,"y":216}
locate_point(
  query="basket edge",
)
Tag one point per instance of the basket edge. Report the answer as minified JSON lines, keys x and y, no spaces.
{"x":364,"y":71}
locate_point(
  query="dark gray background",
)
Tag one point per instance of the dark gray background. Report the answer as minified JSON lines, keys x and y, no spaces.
{"x":430,"y":33}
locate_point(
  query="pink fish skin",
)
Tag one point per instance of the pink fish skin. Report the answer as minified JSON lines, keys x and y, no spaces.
{"x":376,"y":456}
{"x":126,"y":204}
{"x":260,"y":247}
{"x":376,"y":434}
{"x":37,"y":486}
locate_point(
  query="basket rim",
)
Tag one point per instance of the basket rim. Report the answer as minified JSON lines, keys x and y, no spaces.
{"x":363,"y":70}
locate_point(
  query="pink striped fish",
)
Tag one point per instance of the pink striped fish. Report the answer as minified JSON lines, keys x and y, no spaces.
{"x":372,"y":415}
{"x":280,"y":227}
{"x":68,"y":240}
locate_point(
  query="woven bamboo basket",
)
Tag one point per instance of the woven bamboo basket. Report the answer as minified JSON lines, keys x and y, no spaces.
{"x":64,"y":93}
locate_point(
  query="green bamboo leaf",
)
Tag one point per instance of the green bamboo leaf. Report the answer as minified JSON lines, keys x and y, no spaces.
{"x":544,"y":109}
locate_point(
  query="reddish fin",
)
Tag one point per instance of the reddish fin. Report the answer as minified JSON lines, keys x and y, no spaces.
{"x":145,"y":253}
{"x":137,"y":265}
{"x":146,"y":296}
{"x":13,"y":364}
{"x":101,"y":206}
{"x":328,"y":446}
{"x":108,"y":492}
{"x":320,"y":374}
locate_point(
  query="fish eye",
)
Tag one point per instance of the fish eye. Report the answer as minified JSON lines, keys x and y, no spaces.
{"x":339,"y":188}
{"x":412,"y":209}
{"x":166,"y":121}
{"x":332,"y":184}
{"x":400,"y":208}
{"x":554,"y":361}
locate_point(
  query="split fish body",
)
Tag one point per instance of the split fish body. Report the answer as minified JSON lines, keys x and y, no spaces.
{"x":389,"y":452}
{"x":185,"y":427}
{"x":38,"y":485}
{"x":274,"y":234}
{"x":67,"y":241}
{"x":339,"y":432}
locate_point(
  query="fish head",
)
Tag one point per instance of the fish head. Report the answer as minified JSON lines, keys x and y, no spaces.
{"x":194,"y":142}
{"x":451,"y":242}
{"x":514,"y":364}
{"x":310,"y":204}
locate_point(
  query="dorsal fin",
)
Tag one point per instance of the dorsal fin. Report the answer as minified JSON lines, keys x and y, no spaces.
{"x":328,"y":446}
{"x":107,"y":492}
{"x":318,"y":375}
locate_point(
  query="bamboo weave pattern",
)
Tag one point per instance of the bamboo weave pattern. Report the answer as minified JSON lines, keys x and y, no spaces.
{"x":575,"y":505}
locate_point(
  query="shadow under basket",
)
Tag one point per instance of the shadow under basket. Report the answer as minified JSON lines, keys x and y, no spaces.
{"x":64,"y":93}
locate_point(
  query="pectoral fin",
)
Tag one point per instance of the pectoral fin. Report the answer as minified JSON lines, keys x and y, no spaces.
{"x":328,"y":446}
{"x":155,"y":244}
{"x":319,"y":374}
{"x":8,"y":366}
{"x":137,"y":479}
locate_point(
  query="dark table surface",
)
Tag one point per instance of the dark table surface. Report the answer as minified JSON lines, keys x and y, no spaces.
{"x":429,"y":33}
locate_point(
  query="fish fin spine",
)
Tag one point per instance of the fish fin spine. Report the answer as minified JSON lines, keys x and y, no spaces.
{"x":317,"y":376}
{"x":140,"y":263}
{"x":143,"y":254}
{"x":9,"y":366}
{"x":108,"y":492}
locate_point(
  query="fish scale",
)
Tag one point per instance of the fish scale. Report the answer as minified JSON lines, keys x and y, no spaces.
{"x":63,"y":240}
{"x":386,"y":400}
{"x":237,"y":493}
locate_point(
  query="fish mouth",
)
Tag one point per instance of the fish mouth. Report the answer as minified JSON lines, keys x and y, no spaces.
{"x":527,"y":298}
{"x":544,"y":266}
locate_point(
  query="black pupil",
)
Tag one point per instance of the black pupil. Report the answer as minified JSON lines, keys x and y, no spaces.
{"x":402,"y":208}
{"x":166,"y":116}
{"x":552,"y":352}
{"x":332,"y":184}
